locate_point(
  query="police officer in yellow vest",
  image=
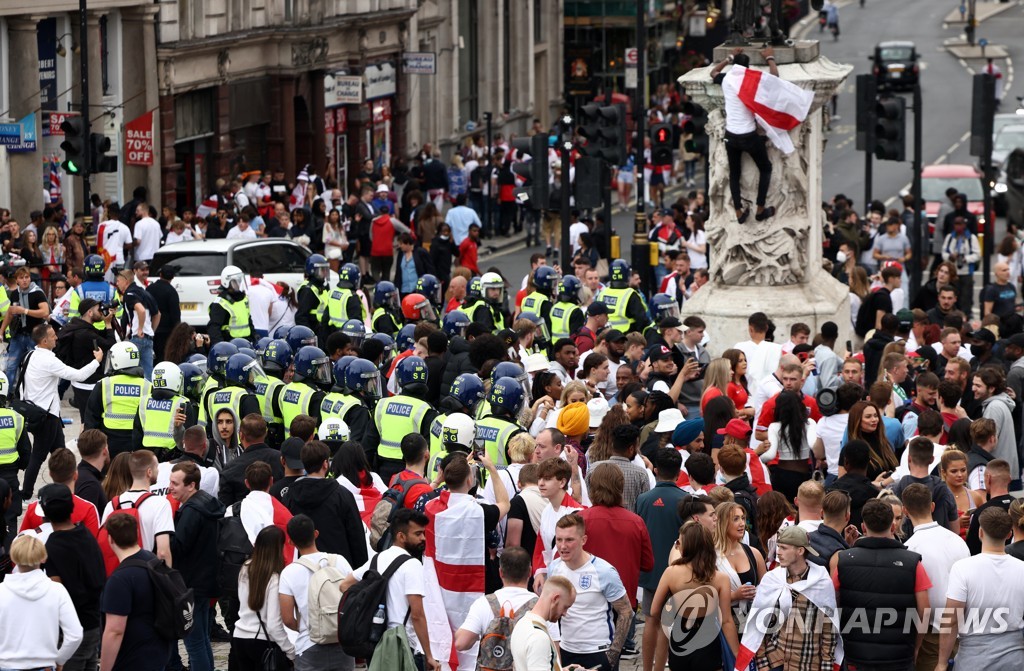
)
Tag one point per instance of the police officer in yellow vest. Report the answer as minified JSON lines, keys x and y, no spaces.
{"x":342,"y":302}
{"x":114,"y":401}
{"x":626,"y":309}
{"x":492,"y":315}
{"x":566,"y":315}
{"x":14,"y":453}
{"x":357,"y":388}
{"x":545,"y":281}
{"x":474,"y":300}
{"x":240,"y":376}
{"x":494,"y":431}
{"x":276,"y":358}
{"x":400,"y":415}
{"x":304,"y":395}
{"x":229,"y":315}
{"x":387,"y":314}
{"x":312,"y":293}
{"x":464,"y":397}
{"x":164,"y":414}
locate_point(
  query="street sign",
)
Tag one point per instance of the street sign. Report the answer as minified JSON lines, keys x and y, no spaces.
{"x":342,"y":90}
{"x":419,"y":63}
{"x":632,"y":57}
{"x":983,"y":43}
{"x":56,"y":119}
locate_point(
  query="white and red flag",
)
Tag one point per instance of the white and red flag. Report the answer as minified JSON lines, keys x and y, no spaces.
{"x":777,"y":105}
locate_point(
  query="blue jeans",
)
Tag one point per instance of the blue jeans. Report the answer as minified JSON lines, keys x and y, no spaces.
{"x":197,"y":643}
{"x":145,"y":345}
{"x":19,"y":346}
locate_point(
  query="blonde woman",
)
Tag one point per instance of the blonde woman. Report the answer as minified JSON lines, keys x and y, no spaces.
{"x":520,"y":452}
{"x":743,"y":564}
{"x":51,"y":251}
{"x":574,"y":392}
{"x":716,"y":381}
{"x":859,"y":288}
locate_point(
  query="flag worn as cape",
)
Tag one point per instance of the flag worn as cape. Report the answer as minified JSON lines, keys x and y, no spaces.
{"x":777,"y":105}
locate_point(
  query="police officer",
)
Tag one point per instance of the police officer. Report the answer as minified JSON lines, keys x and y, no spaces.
{"x":229,"y":316}
{"x":500,"y":370}
{"x":430,"y":286}
{"x":334,"y":433}
{"x":15,"y":449}
{"x":305,"y":393}
{"x":94,"y":286}
{"x":335,"y":402}
{"x":494,"y":430}
{"x":626,"y":309}
{"x":566,"y":315}
{"x":216,"y":365}
{"x":240,"y":376}
{"x":276,"y":358}
{"x":312,"y":293}
{"x":164,"y":414}
{"x":465,"y":395}
{"x":342,"y":302}
{"x":362,"y":385}
{"x":388,"y":354}
{"x":474,"y":299}
{"x":545,"y":281}
{"x":492,"y":315}
{"x":114,"y":401}
{"x":662,"y":307}
{"x":458,"y":434}
{"x":192,"y":380}
{"x":356,"y":332}
{"x":456,"y":361}
{"x":416,"y":308}
{"x":387,"y":309}
{"x":299,"y":337}
{"x":400,"y":415}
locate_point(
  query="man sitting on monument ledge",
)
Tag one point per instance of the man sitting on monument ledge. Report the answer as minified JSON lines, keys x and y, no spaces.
{"x":752,"y":100}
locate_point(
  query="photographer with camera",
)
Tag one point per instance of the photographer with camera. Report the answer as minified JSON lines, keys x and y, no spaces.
{"x":79,"y":338}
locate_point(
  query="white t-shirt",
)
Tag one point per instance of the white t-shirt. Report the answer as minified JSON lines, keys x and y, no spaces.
{"x":698,"y":260}
{"x":531,"y":649}
{"x":115,"y":236}
{"x":738,"y":119}
{"x":780,"y":446}
{"x":990,"y":582}
{"x":904,"y":467}
{"x":148,"y":233}
{"x":184,"y":236}
{"x":976,"y":478}
{"x":236,"y":233}
{"x":480,"y":613}
{"x":939,"y":548}
{"x":295,"y":583}
{"x":209,"y":479}
{"x":762,"y":359}
{"x":588,"y":625}
{"x":261,"y":297}
{"x":574,"y":235}
{"x":407,"y":580}
{"x":831,"y":430}
{"x":154,"y":514}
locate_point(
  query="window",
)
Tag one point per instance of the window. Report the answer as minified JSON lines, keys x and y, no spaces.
{"x":190,"y":264}
{"x":469,"y":68}
{"x":538,"y":22}
{"x":104,"y":55}
{"x":193,"y":115}
{"x":270,"y":258}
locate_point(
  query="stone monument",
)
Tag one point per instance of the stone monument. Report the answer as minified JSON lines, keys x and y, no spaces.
{"x":773,"y":266}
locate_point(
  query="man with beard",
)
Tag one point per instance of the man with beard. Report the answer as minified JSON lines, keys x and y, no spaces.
{"x":155,"y":518}
{"x":406,"y":587}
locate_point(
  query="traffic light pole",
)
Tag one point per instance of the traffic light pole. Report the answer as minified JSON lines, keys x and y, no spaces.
{"x":640,"y":249}
{"x":986,"y":171}
{"x":917,"y":235}
{"x":83,"y":56}
{"x":564,"y":151}
{"x":487,"y":204}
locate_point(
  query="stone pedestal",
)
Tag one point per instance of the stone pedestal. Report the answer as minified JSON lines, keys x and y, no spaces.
{"x":774,"y":266}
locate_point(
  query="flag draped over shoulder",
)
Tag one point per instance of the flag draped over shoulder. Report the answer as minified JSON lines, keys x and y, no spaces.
{"x":777,"y":105}
{"x":454,"y":571}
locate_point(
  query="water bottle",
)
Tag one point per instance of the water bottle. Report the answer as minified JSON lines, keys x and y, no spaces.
{"x":379,"y":624}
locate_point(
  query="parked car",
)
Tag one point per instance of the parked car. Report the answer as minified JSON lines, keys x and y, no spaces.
{"x":1012,"y":183}
{"x":895,"y":65}
{"x":966,"y":179}
{"x":199,"y":263}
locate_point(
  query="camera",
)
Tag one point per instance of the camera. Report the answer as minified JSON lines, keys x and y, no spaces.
{"x":104,"y":309}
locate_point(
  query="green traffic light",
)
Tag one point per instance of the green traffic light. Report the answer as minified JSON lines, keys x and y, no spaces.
{"x":70,"y":168}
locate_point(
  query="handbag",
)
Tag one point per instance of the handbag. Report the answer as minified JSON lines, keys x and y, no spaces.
{"x":273,"y":658}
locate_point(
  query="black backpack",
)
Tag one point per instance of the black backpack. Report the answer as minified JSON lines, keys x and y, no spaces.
{"x":174,"y":603}
{"x":356,"y":633}
{"x":384,"y":512}
{"x":63,"y":350}
{"x":233,"y":549}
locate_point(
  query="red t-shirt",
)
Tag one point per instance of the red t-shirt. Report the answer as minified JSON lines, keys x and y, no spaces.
{"x":768,"y":411}
{"x":83,"y":512}
{"x":453,"y":304}
{"x":412,"y":494}
{"x":621,"y":539}
{"x":468,"y":255}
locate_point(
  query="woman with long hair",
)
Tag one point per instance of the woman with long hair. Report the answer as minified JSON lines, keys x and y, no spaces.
{"x":259,"y":628}
{"x":695,"y":241}
{"x":717,"y":414}
{"x":335,"y":239}
{"x":573,"y":392}
{"x":866,"y":424}
{"x":282,"y":310}
{"x":928,"y":296}
{"x":428,"y":219}
{"x":860,"y":286}
{"x":601,"y":448}
{"x":772,"y":510}
{"x":119,"y":477}
{"x":959,"y":435}
{"x":635,"y":406}
{"x":738,"y":389}
{"x":51,"y":251}
{"x":352,"y":471}
{"x":183,"y":342}
{"x":953,"y":469}
{"x":696,"y":572}
{"x":30,"y":252}
{"x":790,"y":438}
{"x":716,"y":381}
{"x":743,"y":564}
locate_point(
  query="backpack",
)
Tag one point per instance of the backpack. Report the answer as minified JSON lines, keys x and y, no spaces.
{"x":356,"y":633}
{"x":174,"y":603}
{"x":110,"y":560}
{"x":393,"y":653}
{"x":495,"y":648}
{"x":63,"y":348}
{"x":383,"y":515}
{"x":233,"y":549}
{"x":324,"y":598}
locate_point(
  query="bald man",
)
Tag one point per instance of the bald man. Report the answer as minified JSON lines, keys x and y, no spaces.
{"x":1000,"y":297}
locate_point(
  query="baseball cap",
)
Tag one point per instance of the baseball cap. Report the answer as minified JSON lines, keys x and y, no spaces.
{"x":797,"y":537}
{"x":984,"y":335}
{"x":56,"y":501}
{"x":140,"y":265}
{"x":659,"y":353}
{"x":597,"y":308}
{"x":614,"y":335}
{"x":906,"y":318}
{"x":1016,"y":339}
{"x":736,"y":428}
{"x":670,"y":323}
{"x":87,"y":304}
{"x":291,"y":450}
{"x":508,"y":336}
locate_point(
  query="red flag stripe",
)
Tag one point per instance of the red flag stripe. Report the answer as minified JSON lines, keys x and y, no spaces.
{"x":748,"y":94}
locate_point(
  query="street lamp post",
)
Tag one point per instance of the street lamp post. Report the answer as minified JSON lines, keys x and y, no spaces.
{"x":640,"y":247}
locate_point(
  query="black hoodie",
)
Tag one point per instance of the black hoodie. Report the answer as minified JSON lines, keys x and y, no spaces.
{"x":82,"y":338}
{"x":232,"y":479}
{"x":334,"y":513}
{"x":456,"y":361}
{"x":194,"y":543}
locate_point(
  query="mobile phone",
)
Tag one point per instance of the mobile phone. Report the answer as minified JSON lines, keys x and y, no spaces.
{"x":703,"y":368}
{"x":849,"y":346}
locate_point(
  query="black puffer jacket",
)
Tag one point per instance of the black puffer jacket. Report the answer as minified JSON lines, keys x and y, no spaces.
{"x":456,"y":363}
{"x":194,"y":543}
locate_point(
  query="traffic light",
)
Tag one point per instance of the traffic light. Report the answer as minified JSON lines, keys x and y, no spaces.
{"x":535,"y":191}
{"x":604,"y":127}
{"x":983,"y":109}
{"x":592,"y":180}
{"x":590,"y":126}
{"x":100,"y":162}
{"x":867,"y":92}
{"x":890,"y":129}
{"x":661,"y":144}
{"x":74,"y":147}
{"x":695,"y":127}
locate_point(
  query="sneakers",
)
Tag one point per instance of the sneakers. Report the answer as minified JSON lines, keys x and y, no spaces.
{"x":548,"y":252}
{"x":629,"y":653}
{"x":742,"y":219}
{"x":768,"y":213}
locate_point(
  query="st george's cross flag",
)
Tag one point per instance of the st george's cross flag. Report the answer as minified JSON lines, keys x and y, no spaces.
{"x":778,"y":106}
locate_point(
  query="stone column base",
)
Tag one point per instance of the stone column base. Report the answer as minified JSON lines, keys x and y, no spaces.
{"x":726,"y":308}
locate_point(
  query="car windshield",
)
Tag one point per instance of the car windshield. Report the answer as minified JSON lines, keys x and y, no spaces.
{"x":1009,"y":139}
{"x":934,"y":188}
{"x":1001,"y":121}
{"x":190,"y":264}
{"x":896,"y":54}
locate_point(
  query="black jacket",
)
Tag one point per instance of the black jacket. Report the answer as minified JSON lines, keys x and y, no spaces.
{"x":420,"y":258}
{"x":194,"y":543}
{"x":334,"y":512}
{"x":89,"y":485}
{"x":435,"y":370}
{"x":827,"y":541}
{"x":166,"y":298}
{"x":308,"y":302}
{"x":232,"y":478}
{"x":74,"y":557}
{"x":860,"y":489}
{"x":219,"y":318}
{"x":442,"y":254}
{"x":363,"y":429}
{"x":84,"y":338}
{"x":456,"y":363}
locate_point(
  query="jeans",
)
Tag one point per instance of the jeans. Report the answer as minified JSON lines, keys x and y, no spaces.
{"x":322,"y":657}
{"x":9,"y":472}
{"x":86,"y":657}
{"x":145,"y":345}
{"x":45,"y":441}
{"x":19,"y":346}
{"x":755,"y":145}
{"x":197,"y":642}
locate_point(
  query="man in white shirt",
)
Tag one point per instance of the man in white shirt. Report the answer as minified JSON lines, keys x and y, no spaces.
{"x":939,"y":548}
{"x":762,"y":356}
{"x":43,"y":372}
{"x":147,"y":234}
{"x":195,"y":445}
{"x":294,"y":598}
{"x":242,"y":230}
{"x":262,"y":296}
{"x":155,"y":517}
{"x":406,"y":587}
{"x":531,"y":643}
{"x":113,"y":238}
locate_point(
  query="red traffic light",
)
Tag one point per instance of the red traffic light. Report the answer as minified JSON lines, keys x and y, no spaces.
{"x":661,"y":135}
